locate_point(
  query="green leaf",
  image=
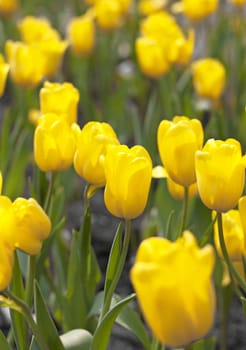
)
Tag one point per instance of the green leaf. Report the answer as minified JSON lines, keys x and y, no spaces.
{"x":76,"y":339}
{"x":205,"y":344}
{"x":18,"y":322}
{"x":45,"y":322}
{"x":115,"y":253}
{"x":128,"y":318}
{"x":4,"y":345}
{"x":243,"y":301}
{"x":102,"y":333}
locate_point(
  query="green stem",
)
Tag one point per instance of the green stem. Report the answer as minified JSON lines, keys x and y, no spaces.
{"x":120,"y":266}
{"x":30,"y":279}
{"x":24,"y":309}
{"x":156,"y":345}
{"x":49,"y":192}
{"x":185,"y":211}
{"x":233,"y":272}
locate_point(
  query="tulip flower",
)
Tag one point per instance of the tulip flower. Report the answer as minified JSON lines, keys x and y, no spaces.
{"x":81,"y":35}
{"x":178,"y":140}
{"x":208,"y":78}
{"x":8,"y":7}
{"x":220,"y":173}
{"x":153,"y":64}
{"x":197,"y":10}
{"x":60,"y":98}
{"x":54,"y":143}
{"x":35,"y":29}
{"x":92,"y":145}
{"x":178,"y":192}
{"x":4,"y":69}
{"x":6,"y":263}
{"x":32,"y":225}
{"x":234,"y":235}
{"x":128,"y":175}
{"x":177,"y":310}
{"x":26,"y":63}
{"x":147,"y":7}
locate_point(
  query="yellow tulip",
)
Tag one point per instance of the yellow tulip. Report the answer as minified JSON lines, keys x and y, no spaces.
{"x":237,"y":2}
{"x":151,"y":57}
{"x":81,"y":35}
{"x":197,"y":10}
{"x":8,"y":7}
{"x":177,"y":310}
{"x":208,"y":78}
{"x":4,"y":69}
{"x":7,"y":220}
{"x":6,"y":263}
{"x":54,"y":143}
{"x":32,"y":225}
{"x":92,"y":145}
{"x":35,"y":29}
{"x":128,"y":175}
{"x":234,"y":235}
{"x":220,"y":172}
{"x":26,"y":63}
{"x":147,"y":7}
{"x":242,"y":213}
{"x":60,"y":98}
{"x":178,"y":140}
{"x":109,"y":13}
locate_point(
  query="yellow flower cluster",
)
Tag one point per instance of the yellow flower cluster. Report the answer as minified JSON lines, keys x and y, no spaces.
{"x":38,"y":55}
{"x":24,"y":225}
{"x":162,"y":44}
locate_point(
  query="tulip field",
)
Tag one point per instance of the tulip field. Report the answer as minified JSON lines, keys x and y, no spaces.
{"x":141,"y":102}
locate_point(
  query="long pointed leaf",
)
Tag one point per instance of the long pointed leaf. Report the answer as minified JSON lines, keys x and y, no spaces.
{"x":4,"y":345}
{"x":102,"y":333}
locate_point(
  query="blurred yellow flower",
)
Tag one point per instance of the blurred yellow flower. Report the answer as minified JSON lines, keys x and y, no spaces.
{"x":128,"y":175}
{"x":237,"y":2}
{"x":165,"y":43}
{"x":234,"y":235}
{"x":109,"y":14}
{"x":6,"y":263}
{"x":151,"y":58}
{"x":196,"y":10}
{"x":177,"y":310}
{"x":178,"y":140}
{"x":61,"y":99}
{"x":54,"y":143}
{"x":8,"y":7}
{"x":93,"y":142}
{"x":26,"y":63}
{"x":220,"y":173}
{"x":32,"y":225}
{"x":208,"y":77}
{"x":81,"y":35}
{"x":36,"y":29}
{"x":147,"y":7}
{"x":4,"y":69}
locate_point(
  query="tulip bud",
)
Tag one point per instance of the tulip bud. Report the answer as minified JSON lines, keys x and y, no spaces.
{"x":177,"y":310}
{"x":61,"y":99}
{"x":220,"y":173}
{"x":54,"y":143}
{"x":128,"y":175}
{"x":81,"y":35}
{"x":208,"y":85}
{"x":92,"y":145}
{"x":32,"y":225}
{"x":178,"y":140}
{"x":8,"y":7}
{"x":197,"y":10}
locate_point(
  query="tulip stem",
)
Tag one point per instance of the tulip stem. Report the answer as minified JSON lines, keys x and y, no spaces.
{"x":49,"y":192}
{"x":30,"y":279}
{"x":185,"y":210}
{"x":24,"y":309}
{"x":156,"y":345}
{"x":233,"y":272}
{"x":119,"y":269}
